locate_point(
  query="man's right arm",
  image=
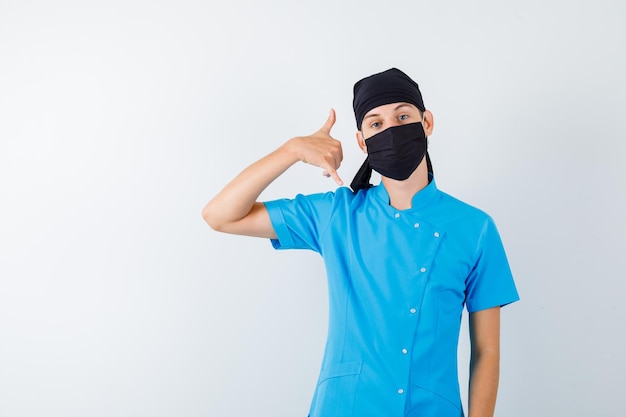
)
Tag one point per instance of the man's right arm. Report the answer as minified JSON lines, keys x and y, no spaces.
{"x":236,"y":210}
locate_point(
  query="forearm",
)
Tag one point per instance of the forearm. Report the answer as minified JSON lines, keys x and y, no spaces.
{"x":237,"y":199}
{"x":483,"y":384}
{"x":235,"y":209}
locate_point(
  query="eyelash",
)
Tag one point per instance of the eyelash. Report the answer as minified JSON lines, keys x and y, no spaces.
{"x":401,"y":117}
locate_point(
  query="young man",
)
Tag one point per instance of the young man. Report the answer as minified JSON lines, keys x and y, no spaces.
{"x":403,"y":258}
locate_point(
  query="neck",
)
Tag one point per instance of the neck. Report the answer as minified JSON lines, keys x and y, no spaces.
{"x":401,"y":193}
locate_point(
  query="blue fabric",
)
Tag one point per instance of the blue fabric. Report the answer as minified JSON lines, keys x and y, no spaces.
{"x":398,"y":282}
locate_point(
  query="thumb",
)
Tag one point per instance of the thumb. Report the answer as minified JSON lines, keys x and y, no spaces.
{"x":329,"y":122}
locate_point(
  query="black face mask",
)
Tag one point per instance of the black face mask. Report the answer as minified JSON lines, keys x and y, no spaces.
{"x":393,"y":153}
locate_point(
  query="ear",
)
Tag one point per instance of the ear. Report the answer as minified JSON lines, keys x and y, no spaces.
{"x":429,"y":123}
{"x":361,"y":141}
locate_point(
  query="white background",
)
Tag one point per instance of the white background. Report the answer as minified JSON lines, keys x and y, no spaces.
{"x":119,"y":120}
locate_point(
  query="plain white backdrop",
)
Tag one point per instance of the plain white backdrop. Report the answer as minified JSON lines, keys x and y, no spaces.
{"x":119,"y":120}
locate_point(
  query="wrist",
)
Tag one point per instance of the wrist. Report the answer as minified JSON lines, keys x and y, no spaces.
{"x":291,"y":150}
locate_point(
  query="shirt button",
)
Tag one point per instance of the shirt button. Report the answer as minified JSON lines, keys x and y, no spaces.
{"x":416,"y":225}
{"x":397,"y":215}
{"x":436,"y":234}
{"x":413,"y":311}
{"x":422,"y":269}
{"x":404,"y":351}
{"x":400,"y":391}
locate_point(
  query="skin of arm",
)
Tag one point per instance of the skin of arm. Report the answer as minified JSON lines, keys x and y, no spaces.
{"x":485,"y":361}
{"x":236,"y":210}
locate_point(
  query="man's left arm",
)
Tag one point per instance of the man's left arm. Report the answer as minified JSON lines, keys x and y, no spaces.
{"x":484,"y":326}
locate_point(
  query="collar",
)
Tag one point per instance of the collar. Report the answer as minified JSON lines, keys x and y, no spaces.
{"x":423,"y":198}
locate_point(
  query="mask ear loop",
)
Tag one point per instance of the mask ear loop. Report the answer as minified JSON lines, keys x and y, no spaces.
{"x":429,"y":165}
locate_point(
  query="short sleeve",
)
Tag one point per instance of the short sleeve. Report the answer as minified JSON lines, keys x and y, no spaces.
{"x":490,"y":283}
{"x":300,"y":222}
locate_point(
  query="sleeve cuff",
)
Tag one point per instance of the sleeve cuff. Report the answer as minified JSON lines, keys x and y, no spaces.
{"x":284,"y":240}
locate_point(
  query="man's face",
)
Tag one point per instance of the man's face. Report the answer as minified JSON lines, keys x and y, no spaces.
{"x":388,"y":115}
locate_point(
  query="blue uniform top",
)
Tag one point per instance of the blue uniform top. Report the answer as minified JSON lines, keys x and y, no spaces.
{"x":397,"y":281}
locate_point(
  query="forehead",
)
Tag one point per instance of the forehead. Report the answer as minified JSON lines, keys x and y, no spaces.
{"x":391,"y":108}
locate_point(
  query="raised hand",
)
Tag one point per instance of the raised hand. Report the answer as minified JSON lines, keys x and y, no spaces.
{"x":236,"y":210}
{"x":321,"y":149}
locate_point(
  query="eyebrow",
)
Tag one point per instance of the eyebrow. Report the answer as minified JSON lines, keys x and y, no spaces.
{"x":397,"y":107}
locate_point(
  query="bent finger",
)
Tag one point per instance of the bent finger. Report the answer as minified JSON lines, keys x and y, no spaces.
{"x":338,"y":158}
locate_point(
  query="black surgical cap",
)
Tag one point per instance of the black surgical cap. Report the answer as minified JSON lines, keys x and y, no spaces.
{"x":391,"y":86}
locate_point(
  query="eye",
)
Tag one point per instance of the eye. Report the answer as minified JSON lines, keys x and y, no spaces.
{"x":403,"y":116}
{"x":375,"y":125}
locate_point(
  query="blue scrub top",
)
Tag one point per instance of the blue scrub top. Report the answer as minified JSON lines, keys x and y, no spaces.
{"x":397,"y":281}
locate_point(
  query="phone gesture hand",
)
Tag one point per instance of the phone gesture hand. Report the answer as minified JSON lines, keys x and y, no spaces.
{"x":322,"y":150}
